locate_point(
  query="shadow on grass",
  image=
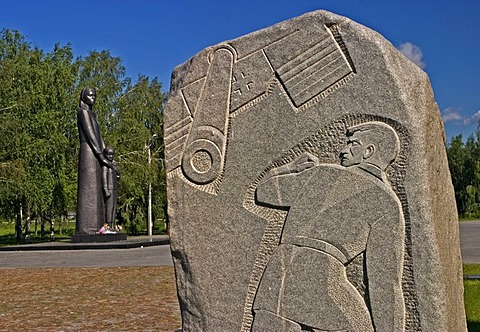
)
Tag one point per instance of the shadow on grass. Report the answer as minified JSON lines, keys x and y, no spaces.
{"x":473,"y":326}
{"x":11,"y":240}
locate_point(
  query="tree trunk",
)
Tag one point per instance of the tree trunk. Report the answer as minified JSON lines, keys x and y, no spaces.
{"x":27,"y":230}
{"x":42,"y":227}
{"x":52,"y":230}
{"x":60,"y":226}
{"x":18,"y":224}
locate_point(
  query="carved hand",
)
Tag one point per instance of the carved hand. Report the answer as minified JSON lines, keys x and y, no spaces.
{"x":304,"y":162}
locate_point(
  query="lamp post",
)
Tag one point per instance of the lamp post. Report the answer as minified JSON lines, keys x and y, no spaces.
{"x":150,"y":224}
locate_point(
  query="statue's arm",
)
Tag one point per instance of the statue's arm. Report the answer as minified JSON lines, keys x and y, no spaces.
{"x":95,"y":143}
{"x":115,"y":169}
{"x":105,"y":170}
{"x":384,"y":264}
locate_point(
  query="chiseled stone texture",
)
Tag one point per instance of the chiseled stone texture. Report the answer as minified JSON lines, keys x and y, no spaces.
{"x":308,"y":186}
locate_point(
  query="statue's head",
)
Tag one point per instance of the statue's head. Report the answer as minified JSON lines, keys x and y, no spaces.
{"x":109,"y":153}
{"x":88,"y":96}
{"x":373,"y":142}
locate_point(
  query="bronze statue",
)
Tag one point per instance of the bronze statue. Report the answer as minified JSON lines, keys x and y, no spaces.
{"x":90,"y":200}
{"x":110,"y":176}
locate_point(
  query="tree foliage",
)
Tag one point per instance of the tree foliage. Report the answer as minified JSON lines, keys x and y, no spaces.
{"x":464,"y":164}
{"x":39,"y":94}
{"x":137,"y":136}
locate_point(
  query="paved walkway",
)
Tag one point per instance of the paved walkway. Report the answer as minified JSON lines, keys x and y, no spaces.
{"x":136,"y":251}
{"x":131,"y":242}
{"x":470,"y":241}
{"x":150,"y":251}
{"x":146,"y":256}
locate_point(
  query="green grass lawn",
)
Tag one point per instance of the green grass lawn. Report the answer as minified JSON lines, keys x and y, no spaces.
{"x":7,"y":233}
{"x":468,"y":218}
{"x":469,"y":269}
{"x":472,"y":297}
{"x":7,"y":228}
{"x":472,"y":304}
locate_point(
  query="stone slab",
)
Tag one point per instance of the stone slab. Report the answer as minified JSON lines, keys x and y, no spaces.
{"x":308,"y":186}
{"x":89,"y":238}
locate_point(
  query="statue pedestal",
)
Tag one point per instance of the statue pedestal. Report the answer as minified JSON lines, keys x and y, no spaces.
{"x":89,"y":238}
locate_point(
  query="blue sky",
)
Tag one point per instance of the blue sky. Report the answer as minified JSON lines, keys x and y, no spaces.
{"x":152,"y":37}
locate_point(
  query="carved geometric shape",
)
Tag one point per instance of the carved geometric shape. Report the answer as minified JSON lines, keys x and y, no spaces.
{"x":250,"y":79}
{"x":202,"y":161}
{"x":314,"y":69}
{"x":191,"y":93}
{"x":208,"y":133}
{"x":175,"y":139}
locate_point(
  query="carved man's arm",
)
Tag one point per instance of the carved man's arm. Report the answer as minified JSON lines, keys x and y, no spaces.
{"x":384,"y":263}
{"x":281,"y":190}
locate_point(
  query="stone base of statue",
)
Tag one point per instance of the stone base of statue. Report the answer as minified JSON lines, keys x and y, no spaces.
{"x":89,"y":238}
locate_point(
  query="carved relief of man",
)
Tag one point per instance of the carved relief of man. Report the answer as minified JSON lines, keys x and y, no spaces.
{"x":335,"y":213}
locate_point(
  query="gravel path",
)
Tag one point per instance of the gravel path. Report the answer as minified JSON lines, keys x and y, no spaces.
{"x":147,"y":256}
{"x":108,"y":290}
{"x":89,"y":299}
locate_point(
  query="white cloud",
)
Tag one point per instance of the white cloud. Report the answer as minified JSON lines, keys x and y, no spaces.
{"x":476,"y":117}
{"x":451,"y":114}
{"x":413,"y":52}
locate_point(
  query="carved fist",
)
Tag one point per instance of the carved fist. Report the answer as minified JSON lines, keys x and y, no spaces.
{"x":304,"y":162}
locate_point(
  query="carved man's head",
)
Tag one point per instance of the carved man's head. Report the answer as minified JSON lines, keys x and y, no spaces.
{"x":373,"y":142}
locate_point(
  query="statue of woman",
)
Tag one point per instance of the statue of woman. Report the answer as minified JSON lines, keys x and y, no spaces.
{"x":90,"y":203}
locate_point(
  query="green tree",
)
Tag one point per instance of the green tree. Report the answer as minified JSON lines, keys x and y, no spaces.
{"x":35,"y":94}
{"x":137,"y":136}
{"x":456,"y":163}
{"x":14,"y":52}
{"x":464,"y":164}
{"x":105,"y":73}
{"x":39,"y":95}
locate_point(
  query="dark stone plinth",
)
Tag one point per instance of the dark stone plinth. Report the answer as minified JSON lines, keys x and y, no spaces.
{"x":89,"y":238}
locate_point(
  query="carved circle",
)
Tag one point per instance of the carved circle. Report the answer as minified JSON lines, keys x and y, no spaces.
{"x":201,"y":162}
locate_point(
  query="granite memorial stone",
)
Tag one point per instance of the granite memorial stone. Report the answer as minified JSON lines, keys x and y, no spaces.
{"x":308,"y":186}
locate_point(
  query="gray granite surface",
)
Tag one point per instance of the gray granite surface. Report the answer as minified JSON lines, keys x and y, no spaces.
{"x":308,"y":186}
